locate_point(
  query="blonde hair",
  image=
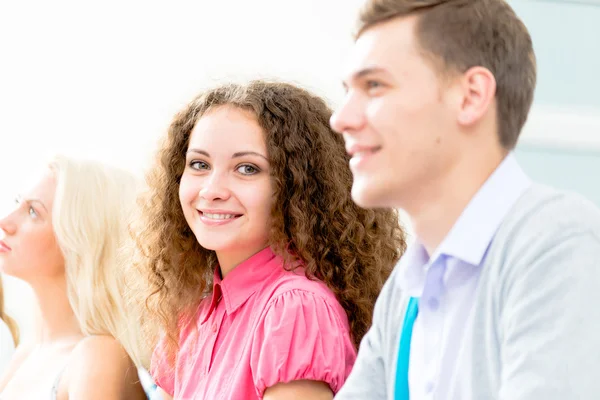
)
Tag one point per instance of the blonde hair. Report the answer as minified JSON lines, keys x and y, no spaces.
{"x":92,"y":206}
{"x":13,"y":327}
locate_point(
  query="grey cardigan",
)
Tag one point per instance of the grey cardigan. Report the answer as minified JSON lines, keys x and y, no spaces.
{"x":536,"y":316}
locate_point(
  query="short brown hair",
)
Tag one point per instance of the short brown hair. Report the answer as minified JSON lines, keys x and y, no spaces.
{"x":460,"y":34}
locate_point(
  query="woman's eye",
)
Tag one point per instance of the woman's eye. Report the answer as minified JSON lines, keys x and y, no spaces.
{"x":33,"y":213}
{"x":247,"y":169}
{"x":198,"y":165}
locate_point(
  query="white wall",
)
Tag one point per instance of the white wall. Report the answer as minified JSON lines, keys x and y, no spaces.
{"x":102,"y":79}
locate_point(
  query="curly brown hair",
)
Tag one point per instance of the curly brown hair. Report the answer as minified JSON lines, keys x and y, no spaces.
{"x":351,"y":249}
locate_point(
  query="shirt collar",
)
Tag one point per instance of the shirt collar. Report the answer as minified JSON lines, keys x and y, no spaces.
{"x":243,"y":281}
{"x":472,"y":233}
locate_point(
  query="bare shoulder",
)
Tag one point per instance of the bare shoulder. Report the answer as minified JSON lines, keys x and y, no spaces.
{"x":101,"y":361}
{"x":100,"y":350}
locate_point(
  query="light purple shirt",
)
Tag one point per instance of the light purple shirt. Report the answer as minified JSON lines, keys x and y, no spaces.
{"x":446,"y":285}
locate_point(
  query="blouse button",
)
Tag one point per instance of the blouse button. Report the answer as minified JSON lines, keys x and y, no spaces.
{"x":214,"y":328}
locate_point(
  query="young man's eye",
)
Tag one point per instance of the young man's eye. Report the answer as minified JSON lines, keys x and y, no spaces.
{"x":373,"y":85}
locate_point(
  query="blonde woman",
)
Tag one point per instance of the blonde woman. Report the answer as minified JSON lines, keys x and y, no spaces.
{"x":63,"y":239}
{"x":9,"y":333}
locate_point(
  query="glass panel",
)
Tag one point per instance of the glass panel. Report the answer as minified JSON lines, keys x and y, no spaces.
{"x":566,"y":38}
{"x":576,"y":171}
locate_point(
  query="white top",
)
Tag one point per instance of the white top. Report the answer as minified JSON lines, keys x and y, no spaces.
{"x":7,"y":346}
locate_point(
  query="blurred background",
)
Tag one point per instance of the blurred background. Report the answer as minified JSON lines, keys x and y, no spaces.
{"x":103,"y":79}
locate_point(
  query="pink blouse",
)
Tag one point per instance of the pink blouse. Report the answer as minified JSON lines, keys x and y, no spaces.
{"x":261,"y":326}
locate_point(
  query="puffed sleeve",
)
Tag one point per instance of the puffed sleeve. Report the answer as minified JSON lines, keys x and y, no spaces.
{"x":301,"y":336}
{"x":162,"y":373}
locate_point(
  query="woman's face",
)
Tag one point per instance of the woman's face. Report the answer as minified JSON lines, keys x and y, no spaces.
{"x":226,"y":191}
{"x":28,"y":246}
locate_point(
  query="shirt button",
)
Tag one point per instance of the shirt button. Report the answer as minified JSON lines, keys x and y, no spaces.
{"x":433,"y":303}
{"x":214,"y":328}
{"x":429,"y":387}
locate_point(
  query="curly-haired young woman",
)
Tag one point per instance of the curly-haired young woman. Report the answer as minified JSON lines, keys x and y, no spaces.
{"x":262,"y":271}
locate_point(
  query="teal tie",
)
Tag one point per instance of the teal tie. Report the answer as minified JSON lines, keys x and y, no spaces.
{"x":401,"y":391}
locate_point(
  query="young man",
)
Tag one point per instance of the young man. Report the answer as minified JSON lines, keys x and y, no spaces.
{"x":499,"y":296}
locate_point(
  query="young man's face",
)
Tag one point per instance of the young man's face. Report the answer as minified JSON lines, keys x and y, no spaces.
{"x":397,"y":117}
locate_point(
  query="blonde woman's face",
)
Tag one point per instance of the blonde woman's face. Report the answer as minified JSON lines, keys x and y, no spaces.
{"x":225,"y":191}
{"x":28,"y":246}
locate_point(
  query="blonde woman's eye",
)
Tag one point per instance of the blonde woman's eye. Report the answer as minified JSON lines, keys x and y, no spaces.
{"x":247,"y":169}
{"x":33,"y":213}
